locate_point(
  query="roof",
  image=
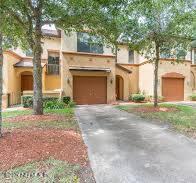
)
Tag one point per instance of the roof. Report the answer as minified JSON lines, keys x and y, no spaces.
{"x":77,"y":68}
{"x":52,"y":33}
{"x":88,"y":54}
{"x":123,"y":68}
{"x":23,"y":63}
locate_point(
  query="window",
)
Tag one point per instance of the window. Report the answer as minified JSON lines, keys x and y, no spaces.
{"x":53,"y":64}
{"x":131,"y":56}
{"x":53,"y":60}
{"x":177,"y":53}
{"x":89,"y":43}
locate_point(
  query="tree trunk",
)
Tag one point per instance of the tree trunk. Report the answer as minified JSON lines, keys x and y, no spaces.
{"x":156,"y":68}
{"x":37,"y":69}
{"x":1,"y":80}
{"x":116,"y":53}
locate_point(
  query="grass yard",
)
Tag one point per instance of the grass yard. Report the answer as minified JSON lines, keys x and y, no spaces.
{"x":182,"y":118}
{"x":45,"y":148}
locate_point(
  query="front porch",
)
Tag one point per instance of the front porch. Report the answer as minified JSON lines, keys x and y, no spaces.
{"x":22,"y":83}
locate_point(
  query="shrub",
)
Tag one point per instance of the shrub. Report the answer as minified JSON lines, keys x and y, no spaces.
{"x":66,"y":100}
{"x":71,"y":104}
{"x":130,"y":98}
{"x":193,"y":97}
{"x":54,"y":105}
{"x":27,"y":101}
{"x":137,"y":97}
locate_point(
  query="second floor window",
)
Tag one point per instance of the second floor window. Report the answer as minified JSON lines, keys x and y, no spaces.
{"x":53,"y":64}
{"x":89,"y":43}
{"x":131,"y":57}
{"x":53,"y":60}
{"x":177,"y":53}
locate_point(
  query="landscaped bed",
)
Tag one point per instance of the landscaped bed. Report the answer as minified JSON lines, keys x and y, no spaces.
{"x":46,"y":148}
{"x":182,"y":118}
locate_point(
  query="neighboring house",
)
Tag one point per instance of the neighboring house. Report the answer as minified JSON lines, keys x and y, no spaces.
{"x":79,"y":66}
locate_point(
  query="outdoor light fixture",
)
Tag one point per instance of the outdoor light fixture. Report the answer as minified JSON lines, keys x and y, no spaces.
{"x":111,"y":81}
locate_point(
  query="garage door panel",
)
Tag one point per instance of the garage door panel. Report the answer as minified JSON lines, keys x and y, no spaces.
{"x":173,"y":89}
{"x":90,"y":90}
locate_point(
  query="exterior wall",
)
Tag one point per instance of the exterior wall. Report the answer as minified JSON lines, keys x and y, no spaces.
{"x":50,"y":44}
{"x":181,"y":68}
{"x":146,"y":76}
{"x":52,"y":82}
{"x":69,"y":43}
{"x":11,"y":84}
{"x":88,"y":61}
{"x":193,"y":78}
{"x":45,"y":93}
{"x":146,"y":79}
{"x":133,"y":78}
{"x":123,"y":54}
{"x":10,"y":77}
{"x":126,"y":83}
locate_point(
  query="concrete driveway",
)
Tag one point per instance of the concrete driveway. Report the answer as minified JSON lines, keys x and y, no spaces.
{"x":124,"y":148}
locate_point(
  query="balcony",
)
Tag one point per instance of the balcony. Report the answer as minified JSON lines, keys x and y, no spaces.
{"x":53,"y":69}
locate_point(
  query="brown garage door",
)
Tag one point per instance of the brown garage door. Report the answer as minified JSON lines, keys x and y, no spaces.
{"x":173,"y":89}
{"x":90,"y":90}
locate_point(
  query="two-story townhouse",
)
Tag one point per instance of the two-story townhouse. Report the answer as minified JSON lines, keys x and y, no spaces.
{"x":79,"y":66}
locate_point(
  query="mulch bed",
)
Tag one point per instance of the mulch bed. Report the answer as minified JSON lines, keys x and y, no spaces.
{"x":147,"y":109}
{"x":35,"y":118}
{"x":24,"y":146}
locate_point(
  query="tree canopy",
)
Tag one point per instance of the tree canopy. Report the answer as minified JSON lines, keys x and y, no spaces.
{"x":159,"y":28}
{"x":167,"y":22}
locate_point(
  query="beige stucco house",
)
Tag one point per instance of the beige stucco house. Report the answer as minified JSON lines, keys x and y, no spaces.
{"x":74,"y":65}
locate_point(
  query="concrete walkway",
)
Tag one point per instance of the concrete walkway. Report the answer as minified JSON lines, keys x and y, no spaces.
{"x":124,"y":148}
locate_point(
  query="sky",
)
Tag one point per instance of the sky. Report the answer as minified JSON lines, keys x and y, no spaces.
{"x":49,"y":27}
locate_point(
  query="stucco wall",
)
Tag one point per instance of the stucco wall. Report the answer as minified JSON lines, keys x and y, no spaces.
{"x":146,"y":79}
{"x":10,"y":77}
{"x":52,"y":82}
{"x":181,"y":68}
{"x":88,"y":61}
{"x":133,"y":78}
{"x":123,"y":54}
{"x":146,"y":76}
{"x":193,"y":77}
{"x":50,"y":44}
{"x":126,"y":83}
{"x":11,"y":80}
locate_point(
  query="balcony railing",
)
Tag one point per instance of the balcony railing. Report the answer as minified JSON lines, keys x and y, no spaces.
{"x":53,"y":69}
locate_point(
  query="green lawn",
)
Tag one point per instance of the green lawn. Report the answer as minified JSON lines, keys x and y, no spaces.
{"x":68,"y":122}
{"x":66,"y":111}
{"x":183,"y":119}
{"x":54,"y":170}
{"x":50,"y":170}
